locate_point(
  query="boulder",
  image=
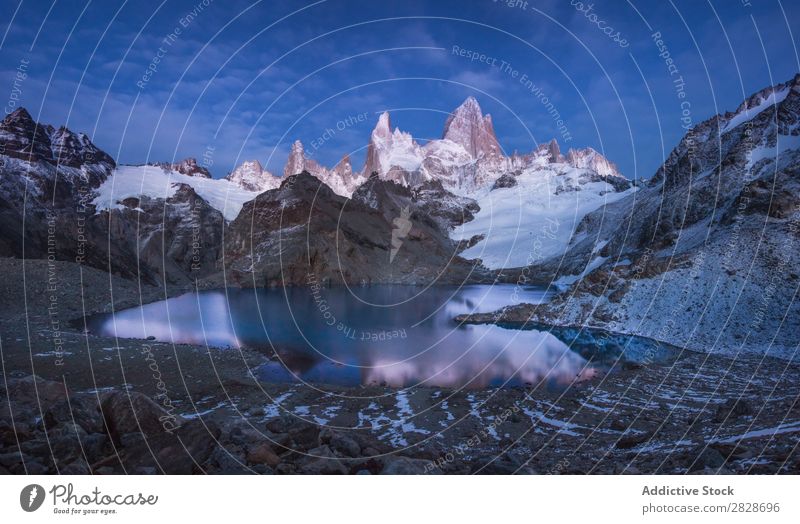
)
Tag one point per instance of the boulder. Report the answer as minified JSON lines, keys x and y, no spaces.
{"x":131,"y":412}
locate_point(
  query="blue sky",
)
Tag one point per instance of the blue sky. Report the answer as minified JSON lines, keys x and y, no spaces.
{"x":242,"y":80}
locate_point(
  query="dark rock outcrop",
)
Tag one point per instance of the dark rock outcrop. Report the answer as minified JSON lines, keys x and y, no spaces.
{"x":303,"y":231}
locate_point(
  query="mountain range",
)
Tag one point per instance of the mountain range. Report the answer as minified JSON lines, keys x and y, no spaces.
{"x":166,"y":221}
{"x":703,"y":238}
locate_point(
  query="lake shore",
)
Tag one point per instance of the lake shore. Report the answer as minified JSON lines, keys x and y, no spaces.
{"x":702,"y":413}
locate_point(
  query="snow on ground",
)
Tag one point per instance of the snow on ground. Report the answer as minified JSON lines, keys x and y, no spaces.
{"x":693,"y":306}
{"x":776,"y":97}
{"x":785,"y":427}
{"x":155,"y":182}
{"x":777,"y":152}
{"x":535,"y":219}
{"x":562,"y":283}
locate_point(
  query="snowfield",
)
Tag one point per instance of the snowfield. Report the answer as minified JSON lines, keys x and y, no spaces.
{"x":535,"y":219}
{"x":156,"y":182}
{"x":774,"y":98}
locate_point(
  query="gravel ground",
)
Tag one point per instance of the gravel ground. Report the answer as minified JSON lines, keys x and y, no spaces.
{"x":102,"y":405}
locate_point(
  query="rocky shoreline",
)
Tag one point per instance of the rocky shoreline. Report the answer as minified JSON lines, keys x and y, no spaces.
{"x":73,"y":402}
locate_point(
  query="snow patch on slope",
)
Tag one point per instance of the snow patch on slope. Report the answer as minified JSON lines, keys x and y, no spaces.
{"x":776,"y":97}
{"x":535,"y":219}
{"x":156,"y":182}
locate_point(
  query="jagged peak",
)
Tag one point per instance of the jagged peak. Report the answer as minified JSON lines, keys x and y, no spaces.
{"x":19,"y":114}
{"x":383,"y":128}
{"x":250,"y":175}
{"x":590,"y":158}
{"x":251,"y":164}
{"x":343,"y":167}
{"x":470,"y":128}
{"x":554,"y":149}
{"x":551,"y":148}
{"x":470,"y":103}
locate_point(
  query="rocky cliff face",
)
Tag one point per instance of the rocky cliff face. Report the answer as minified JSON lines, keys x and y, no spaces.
{"x":468,"y":159}
{"x":341,"y":178}
{"x":252,"y":177}
{"x":45,"y":173}
{"x":704,"y":254}
{"x":303,"y":233}
{"x":468,"y":127}
{"x":24,"y":139}
{"x":187,"y":166}
{"x":48,"y":181}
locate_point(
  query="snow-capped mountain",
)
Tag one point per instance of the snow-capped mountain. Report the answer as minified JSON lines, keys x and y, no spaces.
{"x":187,"y":166}
{"x":468,"y":159}
{"x":530,"y":217}
{"x":468,"y":127}
{"x":341,"y":178}
{"x":54,"y":151}
{"x":62,"y":197}
{"x":394,"y":155}
{"x":709,"y":244}
{"x":446,"y":176}
{"x":304,"y":229}
{"x":161,"y":182}
{"x":250,"y":176}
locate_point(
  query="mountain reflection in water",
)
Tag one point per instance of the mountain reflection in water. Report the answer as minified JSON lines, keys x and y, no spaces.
{"x":397,"y":335}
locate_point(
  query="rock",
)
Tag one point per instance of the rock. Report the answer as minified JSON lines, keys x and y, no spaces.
{"x":244,"y":435}
{"x":79,"y":467}
{"x":181,"y":453}
{"x":619,"y":424}
{"x":732,"y":409}
{"x":263,"y":454}
{"x":406,"y":466}
{"x":278,"y":425}
{"x":340,"y":442}
{"x":707,"y":458}
{"x":82,"y":410}
{"x":228,"y":461}
{"x":263,"y":469}
{"x":321,"y":461}
{"x":9,"y":460}
{"x":36,"y":468}
{"x":504,"y":181}
{"x":9,"y":435}
{"x":304,"y":435}
{"x":471,"y":129}
{"x":66,"y":448}
{"x":493,"y":465}
{"x":285,"y":468}
{"x":132,"y":412}
{"x":36,"y":391}
{"x":633,"y":438}
{"x":94,"y":446}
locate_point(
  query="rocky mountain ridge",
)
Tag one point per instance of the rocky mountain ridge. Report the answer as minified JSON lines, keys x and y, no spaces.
{"x":467,"y":160}
{"x":704,"y":255}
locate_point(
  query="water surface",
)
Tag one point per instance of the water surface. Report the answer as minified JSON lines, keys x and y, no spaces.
{"x":395,"y":335}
